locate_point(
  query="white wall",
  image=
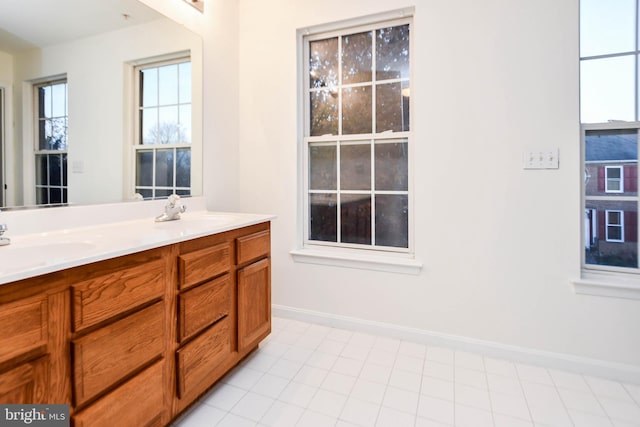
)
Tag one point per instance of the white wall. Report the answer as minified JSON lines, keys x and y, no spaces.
{"x":98,"y":126}
{"x":499,"y":243}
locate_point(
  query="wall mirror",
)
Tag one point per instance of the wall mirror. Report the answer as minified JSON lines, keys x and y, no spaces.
{"x":99,"y":100}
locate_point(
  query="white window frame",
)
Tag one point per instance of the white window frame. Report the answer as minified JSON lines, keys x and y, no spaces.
{"x":620,"y":180}
{"x":137,"y":143}
{"x":344,"y":254}
{"x":37,"y":151}
{"x":602,"y":280}
{"x":608,"y":212}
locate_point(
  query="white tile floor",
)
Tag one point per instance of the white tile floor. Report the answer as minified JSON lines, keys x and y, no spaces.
{"x":311,"y":375}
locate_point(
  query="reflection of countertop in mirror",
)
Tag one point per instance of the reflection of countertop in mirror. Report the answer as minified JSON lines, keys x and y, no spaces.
{"x":48,"y":240}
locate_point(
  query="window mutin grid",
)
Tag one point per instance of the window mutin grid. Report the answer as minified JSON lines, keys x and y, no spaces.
{"x":348,"y":201}
{"x":51,"y":141}
{"x":162,"y":152}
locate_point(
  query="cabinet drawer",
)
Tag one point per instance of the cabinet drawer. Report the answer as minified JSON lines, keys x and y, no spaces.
{"x":203,"y":305}
{"x":99,"y":299}
{"x":23,"y":326}
{"x":253,"y":246}
{"x":198,"y":360}
{"x":106,"y":356}
{"x":204,"y":264}
{"x":138,"y":402}
{"x":25,"y":383}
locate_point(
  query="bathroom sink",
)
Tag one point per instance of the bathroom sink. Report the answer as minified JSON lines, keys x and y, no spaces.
{"x":23,"y":256}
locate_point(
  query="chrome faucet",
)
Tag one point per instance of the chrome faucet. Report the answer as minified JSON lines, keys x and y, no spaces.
{"x":4,"y":240}
{"x":172,"y":209}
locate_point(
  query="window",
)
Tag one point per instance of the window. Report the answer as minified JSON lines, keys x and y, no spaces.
{"x":357,"y":137}
{"x":613,"y":176}
{"x":51,"y":142}
{"x":163,"y":148}
{"x":610,"y":117}
{"x":615,"y":226}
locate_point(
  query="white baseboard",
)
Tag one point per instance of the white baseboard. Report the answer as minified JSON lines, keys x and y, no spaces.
{"x":566,"y":362}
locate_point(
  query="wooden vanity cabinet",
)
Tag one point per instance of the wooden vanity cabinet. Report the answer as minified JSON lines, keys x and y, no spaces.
{"x":118,"y":344}
{"x":140,"y":337}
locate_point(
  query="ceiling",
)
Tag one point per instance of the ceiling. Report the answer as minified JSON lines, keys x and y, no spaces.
{"x":25,"y":24}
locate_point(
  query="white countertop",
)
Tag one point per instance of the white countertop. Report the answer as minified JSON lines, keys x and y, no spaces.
{"x":42,"y":252}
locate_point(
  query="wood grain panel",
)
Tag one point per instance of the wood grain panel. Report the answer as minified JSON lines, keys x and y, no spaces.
{"x":198,"y":360}
{"x":108,"y":355}
{"x":252,"y":246}
{"x":203,"y":305}
{"x":254,"y":303}
{"x":204,"y":264}
{"x":23,"y":326}
{"x":100,"y":298}
{"x":26,"y":383}
{"x":138,"y":402}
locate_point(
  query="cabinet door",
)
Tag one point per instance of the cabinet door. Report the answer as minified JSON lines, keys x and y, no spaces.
{"x":254,"y":304}
{"x":26,"y":383}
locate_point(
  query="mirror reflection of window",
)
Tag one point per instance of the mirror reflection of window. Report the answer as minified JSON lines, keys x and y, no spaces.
{"x":51,"y":142}
{"x":163,"y":148}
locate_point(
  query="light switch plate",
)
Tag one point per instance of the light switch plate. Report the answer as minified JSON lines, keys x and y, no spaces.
{"x":541,"y":158}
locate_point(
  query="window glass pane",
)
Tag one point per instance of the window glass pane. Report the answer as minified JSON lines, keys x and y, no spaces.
{"x":324,"y":113}
{"x":356,"y":58}
{"x":611,"y":231}
{"x":42,"y":196}
{"x":42,"y":175}
{"x":64,"y":171}
{"x":183,"y":167}
{"x":55,"y":169}
{"x":185,"y":124}
{"x":356,"y":110}
{"x":149,"y":126}
{"x":607,"y":89}
{"x":42,"y":134}
{"x":392,"y":107}
{"x":604,"y":149}
{"x":144,"y":168}
{"x":184,"y":84}
{"x":163,"y":193}
{"x":392,"y":53}
{"x":355,"y":167}
{"x":168,"y":125}
{"x":323,"y":63}
{"x":55,"y":134}
{"x":323,"y":166}
{"x":613,"y":173}
{"x":391,"y":166}
{"x":44,"y":107}
{"x":392,"y":220}
{"x":607,"y":27}
{"x":164,"y":168}
{"x":185,"y":192}
{"x":59,"y":100}
{"x":149,"y":85}
{"x":55,"y":195}
{"x":168,"y":84}
{"x":323,"y":220}
{"x":355,"y":218}
{"x":145,"y":193}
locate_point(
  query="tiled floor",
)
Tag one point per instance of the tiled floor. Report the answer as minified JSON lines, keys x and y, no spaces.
{"x":311,"y":375}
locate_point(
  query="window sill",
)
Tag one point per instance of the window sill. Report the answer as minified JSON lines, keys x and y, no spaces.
{"x":357,"y":260}
{"x":607,"y":285}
